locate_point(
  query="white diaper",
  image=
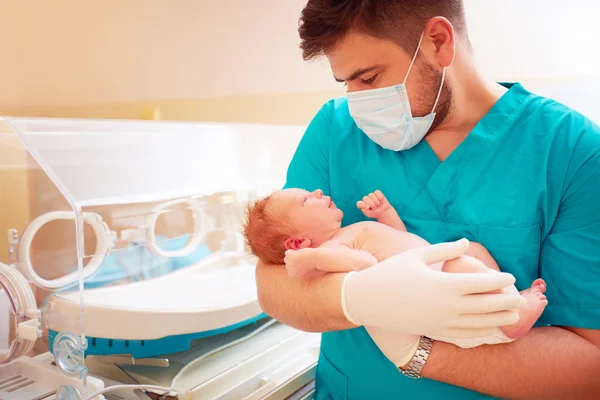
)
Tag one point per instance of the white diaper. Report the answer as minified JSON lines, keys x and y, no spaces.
{"x":497,"y":337}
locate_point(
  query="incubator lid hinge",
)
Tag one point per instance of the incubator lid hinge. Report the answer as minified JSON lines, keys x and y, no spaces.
{"x":13,"y":243}
{"x":31,"y":328}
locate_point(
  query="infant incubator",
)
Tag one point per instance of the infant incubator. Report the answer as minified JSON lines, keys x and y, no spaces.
{"x":125,"y":263}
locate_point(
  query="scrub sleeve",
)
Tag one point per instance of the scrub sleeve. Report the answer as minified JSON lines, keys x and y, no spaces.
{"x":570,"y":252}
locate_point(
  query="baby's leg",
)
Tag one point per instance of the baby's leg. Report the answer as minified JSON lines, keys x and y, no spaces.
{"x":534,"y":296}
{"x":482,"y":254}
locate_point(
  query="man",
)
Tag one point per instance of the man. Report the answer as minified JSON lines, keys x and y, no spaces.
{"x":457,"y":156}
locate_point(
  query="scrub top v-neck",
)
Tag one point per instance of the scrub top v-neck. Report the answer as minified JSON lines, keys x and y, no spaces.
{"x":505,"y":186}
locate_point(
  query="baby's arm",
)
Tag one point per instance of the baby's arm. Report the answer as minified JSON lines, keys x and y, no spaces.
{"x":376,"y":206}
{"x":330,"y":257}
{"x":392,"y":219}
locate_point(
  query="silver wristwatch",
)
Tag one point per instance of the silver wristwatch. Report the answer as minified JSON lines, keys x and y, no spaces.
{"x":415,"y":366}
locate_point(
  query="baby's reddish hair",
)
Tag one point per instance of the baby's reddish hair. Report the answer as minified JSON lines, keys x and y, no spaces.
{"x":265,"y":233}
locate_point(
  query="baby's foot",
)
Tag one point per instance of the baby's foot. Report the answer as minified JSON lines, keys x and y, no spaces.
{"x":535,"y":303}
{"x":374,"y":204}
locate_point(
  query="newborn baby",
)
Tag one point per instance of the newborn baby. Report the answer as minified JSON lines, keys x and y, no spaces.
{"x":303,"y":230}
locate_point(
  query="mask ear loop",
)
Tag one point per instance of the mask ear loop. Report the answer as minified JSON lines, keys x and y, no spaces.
{"x":439,"y":91}
{"x":413,"y":59}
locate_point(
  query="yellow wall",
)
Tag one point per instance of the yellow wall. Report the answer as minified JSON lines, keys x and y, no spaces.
{"x":72,"y":52}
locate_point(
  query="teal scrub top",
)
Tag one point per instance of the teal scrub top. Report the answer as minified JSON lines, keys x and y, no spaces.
{"x":525,"y":183}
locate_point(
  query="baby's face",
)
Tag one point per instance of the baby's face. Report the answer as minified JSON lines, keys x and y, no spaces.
{"x":310,"y":213}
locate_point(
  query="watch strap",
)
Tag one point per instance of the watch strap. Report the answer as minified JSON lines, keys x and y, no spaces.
{"x":415,"y":366}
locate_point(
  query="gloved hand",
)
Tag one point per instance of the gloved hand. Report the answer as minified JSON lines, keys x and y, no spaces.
{"x":404,"y":294}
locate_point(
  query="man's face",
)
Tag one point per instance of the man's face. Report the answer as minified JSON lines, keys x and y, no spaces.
{"x":364,"y":62}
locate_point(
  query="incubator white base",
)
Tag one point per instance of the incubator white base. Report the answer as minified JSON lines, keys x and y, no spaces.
{"x":36,"y":378}
{"x":217,"y":292}
{"x":277,"y":363}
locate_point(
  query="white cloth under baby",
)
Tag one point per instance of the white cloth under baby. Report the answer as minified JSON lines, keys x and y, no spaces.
{"x":497,"y":337}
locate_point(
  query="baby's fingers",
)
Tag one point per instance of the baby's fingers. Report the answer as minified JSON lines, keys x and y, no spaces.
{"x":367,"y":200}
{"x":379,"y":195}
{"x":374,"y":199}
{"x":362,"y":205}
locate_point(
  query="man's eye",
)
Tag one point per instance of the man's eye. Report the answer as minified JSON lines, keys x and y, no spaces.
{"x":370,"y":80}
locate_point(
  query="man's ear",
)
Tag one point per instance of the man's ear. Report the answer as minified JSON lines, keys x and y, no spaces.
{"x":297,"y":243}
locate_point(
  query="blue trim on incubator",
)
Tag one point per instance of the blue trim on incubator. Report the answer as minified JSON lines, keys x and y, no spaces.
{"x":151,"y":348}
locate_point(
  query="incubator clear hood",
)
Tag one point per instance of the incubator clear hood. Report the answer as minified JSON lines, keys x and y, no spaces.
{"x":124,"y":237}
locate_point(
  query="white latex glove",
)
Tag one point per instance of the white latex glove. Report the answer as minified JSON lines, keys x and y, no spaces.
{"x":398,"y":347}
{"x":404,"y":294}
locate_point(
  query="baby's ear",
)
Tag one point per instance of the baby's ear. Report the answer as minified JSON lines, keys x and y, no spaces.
{"x":297,"y":243}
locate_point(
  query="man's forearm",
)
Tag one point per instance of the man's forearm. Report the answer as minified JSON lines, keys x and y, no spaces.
{"x":547,"y":363}
{"x":309,"y":305}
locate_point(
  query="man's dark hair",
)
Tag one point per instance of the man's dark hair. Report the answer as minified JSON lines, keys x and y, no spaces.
{"x":324,"y":23}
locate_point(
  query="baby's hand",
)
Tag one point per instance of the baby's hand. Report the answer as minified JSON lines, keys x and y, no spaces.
{"x":374,"y":205}
{"x":300,"y":263}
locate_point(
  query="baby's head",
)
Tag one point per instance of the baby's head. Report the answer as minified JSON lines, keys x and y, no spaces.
{"x":290,"y":219}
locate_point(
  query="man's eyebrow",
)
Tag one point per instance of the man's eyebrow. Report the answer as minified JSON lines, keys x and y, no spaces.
{"x":356,"y":74}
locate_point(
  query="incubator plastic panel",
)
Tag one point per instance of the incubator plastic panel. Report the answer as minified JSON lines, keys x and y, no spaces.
{"x":124,"y":237}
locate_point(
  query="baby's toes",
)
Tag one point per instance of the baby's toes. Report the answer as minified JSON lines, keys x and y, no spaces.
{"x":541,"y":296}
{"x":539,"y":285}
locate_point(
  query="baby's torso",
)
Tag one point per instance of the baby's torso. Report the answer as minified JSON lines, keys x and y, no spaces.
{"x":378,"y":239}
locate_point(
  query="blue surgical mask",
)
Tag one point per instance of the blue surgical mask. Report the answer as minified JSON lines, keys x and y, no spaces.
{"x":385,"y":116}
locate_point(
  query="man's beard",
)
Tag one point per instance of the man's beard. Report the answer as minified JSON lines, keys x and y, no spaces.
{"x":431,"y":80}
